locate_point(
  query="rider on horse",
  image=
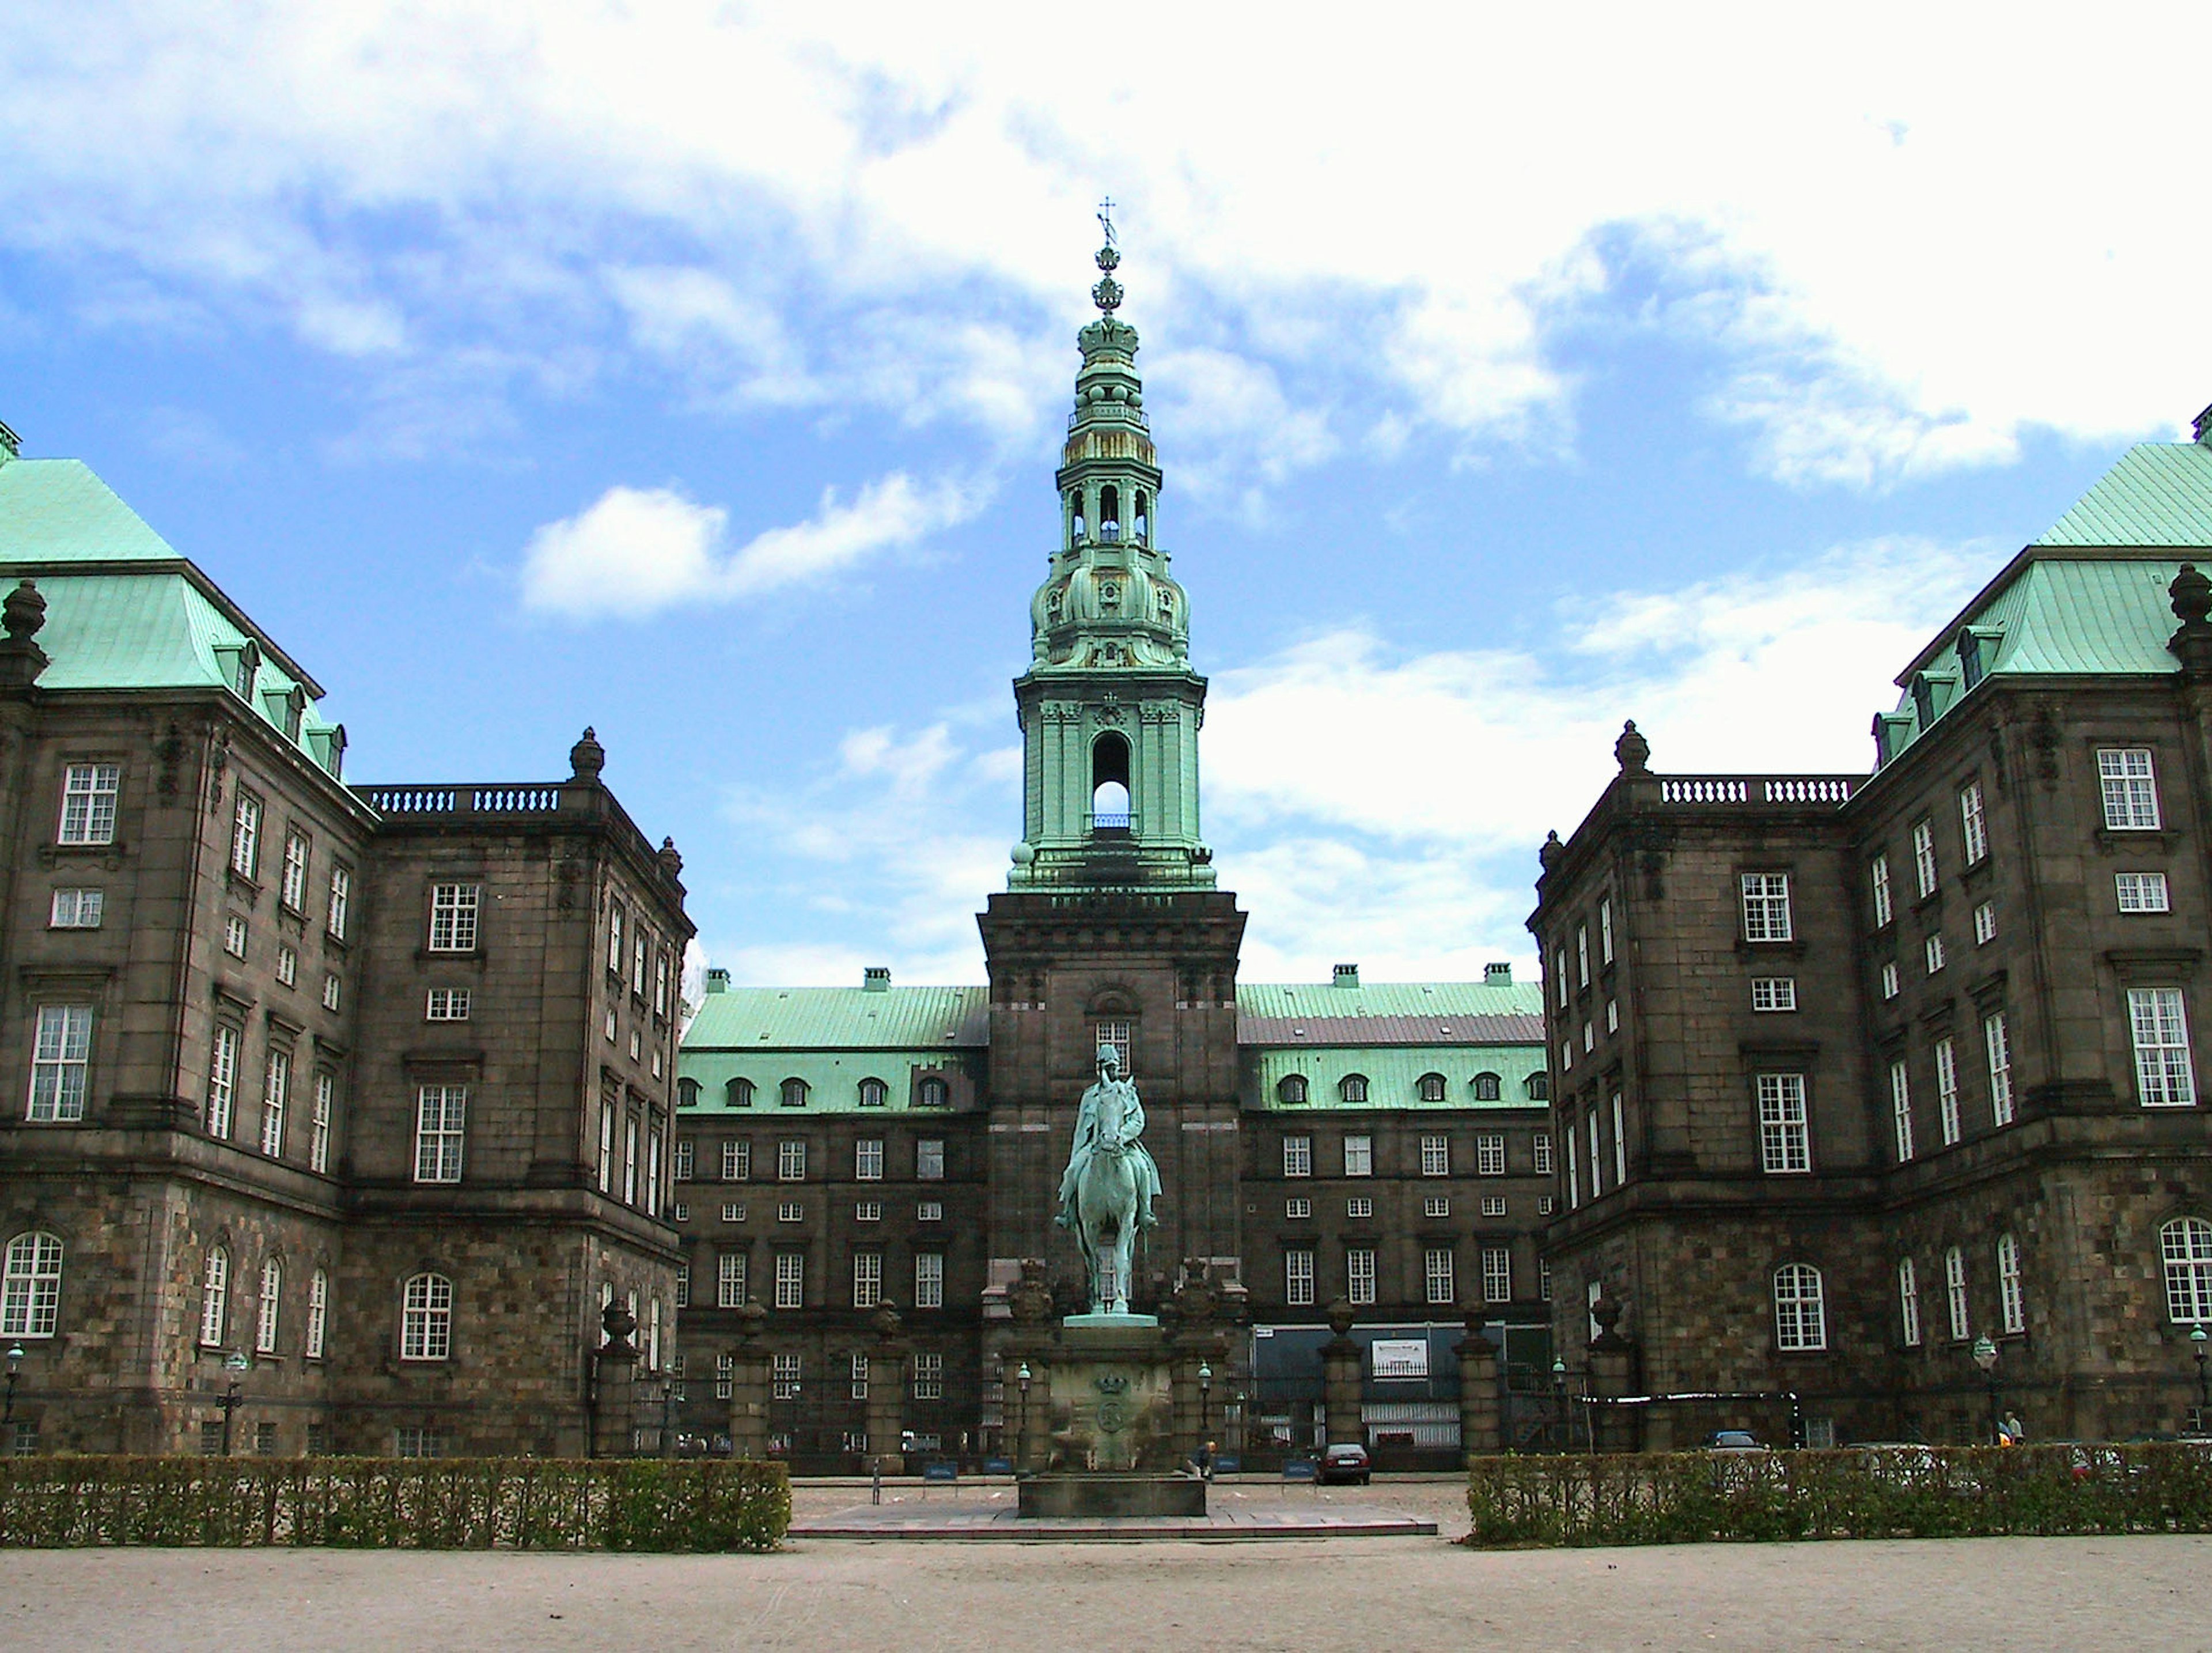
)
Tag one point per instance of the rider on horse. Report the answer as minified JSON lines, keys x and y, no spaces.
{"x":1101,"y":1098}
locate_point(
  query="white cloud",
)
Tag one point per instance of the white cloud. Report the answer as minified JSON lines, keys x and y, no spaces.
{"x":638,"y":551}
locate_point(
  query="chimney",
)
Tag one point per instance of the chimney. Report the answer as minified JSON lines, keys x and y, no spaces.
{"x":718,"y":981}
{"x":1347,"y":975}
{"x":1498,"y":976}
{"x":876,"y":978}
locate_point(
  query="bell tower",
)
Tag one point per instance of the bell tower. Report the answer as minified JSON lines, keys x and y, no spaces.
{"x":1110,"y":928}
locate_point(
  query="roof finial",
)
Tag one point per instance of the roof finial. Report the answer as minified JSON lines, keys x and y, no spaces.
{"x":1107,"y":294}
{"x":1106,"y":220}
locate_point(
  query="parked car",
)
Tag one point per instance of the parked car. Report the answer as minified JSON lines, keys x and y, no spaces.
{"x":1734,"y":1440}
{"x":1345,"y":1461}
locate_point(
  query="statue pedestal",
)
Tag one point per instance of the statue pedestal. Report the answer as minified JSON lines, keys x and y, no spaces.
{"x":1112,"y":1425}
{"x":1110,"y":1495}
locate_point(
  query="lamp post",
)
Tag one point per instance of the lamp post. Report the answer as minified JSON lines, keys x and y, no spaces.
{"x":670,"y":1393}
{"x":2197,"y":1347}
{"x":1204,"y":1391}
{"x":233,"y":1363}
{"x":1559,"y":1401}
{"x":1021,"y":1419}
{"x":1985,"y":1356}
{"x":15,"y":1372}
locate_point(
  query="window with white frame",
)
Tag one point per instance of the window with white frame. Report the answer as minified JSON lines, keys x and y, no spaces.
{"x":245,"y":835}
{"x":929,"y":1211}
{"x":1773,"y":992}
{"x":1117,"y":1034}
{"x":2139,"y":892}
{"x":1613,"y":1016}
{"x":867,"y":1210}
{"x":660,"y":982}
{"x":447,"y":1005}
{"x":868,"y":1160}
{"x":1605,"y":931}
{"x":1596,"y":1155}
{"x":1891,"y":984}
{"x":792,"y":1093}
{"x":1784,"y":1142}
{"x":686,"y":1160}
{"x":31,"y":1285}
{"x":791,"y":1211}
{"x":933,"y":1092}
{"x":1496,"y":1273}
{"x":331,"y":991}
{"x":1430,"y":1087}
{"x":640,"y":951}
{"x":929,"y":1280}
{"x":790,"y":1159}
{"x":276,"y":1095}
{"x":222,"y":1079}
{"x":874,"y":1093}
{"x":341,"y":903}
{"x":1566,"y":1054}
{"x":88,"y":792}
{"x":1494,"y":1205}
{"x":928,"y":1375}
{"x":1947,"y":1089}
{"x":1800,"y":1316}
{"x":1883,"y":911}
{"x":784,"y":1377}
{"x":1923,"y":858}
{"x":1489,"y":1153}
{"x":2012,"y":1302}
{"x":1436,"y":1156}
{"x":1543,"y":1279}
{"x":1436,"y":1205}
{"x":1985,"y":923}
{"x":440,"y":1128}
{"x":1954,"y":1293}
{"x":791,"y":1279}
{"x":270,"y":1309}
{"x":1437,"y":1274}
{"x":1543,"y":1152}
{"x":615,"y":915}
{"x":2130,"y":789}
{"x":1933,"y":948}
{"x":1559,"y":974}
{"x":1360,"y":1274}
{"x":730,"y":1280}
{"x":737,"y":1162}
{"x":682,"y":1286}
{"x":1765,"y":906}
{"x":292,"y":887}
{"x":867,"y":1278}
{"x":1544,"y":1203}
{"x":733,"y":1213}
{"x":1298,"y":1156}
{"x":233,"y":936}
{"x":318,"y":1124}
{"x":2159,"y":1025}
{"x":1900,"y":1110}
{"x":1582,"y":955}
{"x":929,"y":1160}
{"x":1619,"y":1143}
{"x":2185,"y":1250}
{"x":318,"y":1315}
{"x":1298,"y":1276}
{"x":1574,"y":1171}
{"x":1908,"y":1301}
{"x":76,"y":909}
{"x":1352,"y":1089}
{"x":1359,"y":1205}
{"x":1973,"y":830}
{"x":1358,"y":1156}
{"x":453,"y":909}
{"x":1998,"y":1048}
{"x":215,"y":1298}
{"x":61,"y":1054}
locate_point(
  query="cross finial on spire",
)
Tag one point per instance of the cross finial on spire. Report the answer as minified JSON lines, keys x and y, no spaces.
{"x":1106,"y":220}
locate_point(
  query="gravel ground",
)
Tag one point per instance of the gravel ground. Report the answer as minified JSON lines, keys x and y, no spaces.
{"x":1403,"y":1595}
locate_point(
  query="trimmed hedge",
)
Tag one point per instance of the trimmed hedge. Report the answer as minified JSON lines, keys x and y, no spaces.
{"x":452,"y":1504}
{"x":1697,"y":1497}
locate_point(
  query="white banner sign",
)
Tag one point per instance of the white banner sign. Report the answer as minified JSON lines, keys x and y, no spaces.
{"x":1399,"y":1357}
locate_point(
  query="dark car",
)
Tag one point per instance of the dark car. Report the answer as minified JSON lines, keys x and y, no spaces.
{"x":1734,"y":1440}
{"x":1345,"y":1461}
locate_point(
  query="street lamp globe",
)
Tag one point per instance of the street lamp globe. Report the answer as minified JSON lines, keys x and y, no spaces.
{"x":16,"y":1355}
{"x":1985,"y":1354}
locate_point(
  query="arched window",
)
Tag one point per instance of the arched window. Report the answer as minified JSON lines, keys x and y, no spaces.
{"x":1353,"y":1088}
{"x":1076,"y":527}
{"x":935,"y":1093}
{"x":1539,"y":1087}
{"x":2185,"y":1246}
{"x":1800,"y":1316}
{"x":1292,"y":1089}
{"x":426,"y":1319}
{"x":687,"y":1093}
{"x":1140,"y":524}
{"x":1488,"y":1087}
{"x":31,"y":1289}
{"x":268,"y":1311}
{"x":1109,"y":512}
{"x":215,"y":1297}
{"x":873,"y":1093}
{"x":1430,"y":1087}
{"x":794,"y":1093}
{"x":738,"y":1093}
{"x":1109,"y":783}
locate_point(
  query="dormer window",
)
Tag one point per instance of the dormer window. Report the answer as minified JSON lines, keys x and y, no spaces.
{"x":1292,"y":1089}
{"x":1970,"y":658}
{"x":295,"y":712}
{"x":239,"y":663}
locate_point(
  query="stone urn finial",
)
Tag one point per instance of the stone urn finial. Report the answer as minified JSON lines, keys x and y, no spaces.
{"x":2190,"y":594}
{"x":1607,"y":1312}
{"x":24,"y":612}
{"x":1549,"y":855}
{"x":586,"y":757}
{"x":885,"y":1320}
{"x":1632,"y":750}
{"x":1339,"y":1318}
{"x":672,"y":863}
{"x":617,"y":1320}
{"x":752,"y":1319}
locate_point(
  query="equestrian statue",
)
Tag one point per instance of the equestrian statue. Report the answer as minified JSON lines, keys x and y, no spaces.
{"x":1106,"y":1194}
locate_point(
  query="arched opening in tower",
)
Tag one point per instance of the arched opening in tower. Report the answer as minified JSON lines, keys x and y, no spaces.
{"x":1109,"y":784}
{"x":1109,"y":512}
{"x":1076,"y":528}
{"x":1140,"y":524}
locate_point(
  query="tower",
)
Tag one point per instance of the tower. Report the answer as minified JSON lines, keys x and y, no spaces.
{"x":1110,"y":928}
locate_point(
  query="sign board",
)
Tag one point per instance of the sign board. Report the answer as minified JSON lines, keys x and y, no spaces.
{"x":1398,"y":1357}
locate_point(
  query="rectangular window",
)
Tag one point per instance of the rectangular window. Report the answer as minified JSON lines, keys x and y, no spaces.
{"x":441,"y":1122}
{"x":2012,"y":1302}
{"x":858,"y":1389}
{"x":867,"y":1278}
{"x":268,"y":1310}
{"x":1360,"y":1207}
{"x":1497,"y":1274}
{"x":453,"y":917}
{"x":791,"y":1279}
{"x":318,"y":1315}
{"x":1436,"y":1156}
{"x":733,"y":1213}
{"x":791,"y":1211}
{"x":725,"y":1375}
{"x":1582,"y":955}
{"x":88,"y":792}
{"x":1544,"y":1279}
{"x":1613,"y":1016}
{"x":331,"y":991}
{"x":783,"y":1372}
{"x":929,"y":1211}
{"x":1891,"y":983}
{"x":1298,"y":1278}
{"x":275,"y":1089}
{"x":929,"y":1280}
{"x":1973,"y":830}
{"x":245,"y":835}
{"x":687,"y":1154}
{"x":447,"y":1005}
{"x":790,"y":1160}
{"x":1883,"y":911}
{"x":1999,"y":1047}
{"x":1985,"y":923}
{"x":222,"y":1080}
{"x":77,"y":910}
{"x":629,"y":1161}
{"x":2139,"y":892}
{"x":1437,"y":1274}
{"x":288,"y":966}
{"x":1360,"y":1274}
{"x":1954,"y":1292}
{"x":2165,"y":1077}
{"x":1900,"y":1110}
{"x":614,"y":940}
{"x":1494,"y":1205}
{"x":1574,"y":1171}
{"x":1924,"y":857}
{"x":1947,"y":1089}
{"x":1619,"y":1143}
{"x":1770,"y":993}
{"x":2129,"y":787}
{"x":1543,"y":1148}
{"x":292,"y":889}
{"x":1784,"y":1145}
{"x":1605,"y":931}
{"x":1908,"y":1301}
{"x":1117,"y":1034}
{"x":1935,"y":951}
{"x":340,"y":902}
{"x":1298,"y":1156}
{"x":233,"y":936}
{"x":1489,"y":1154}
{"x":660,"y":983}
{"x":1297,"y":1208}
{"x":929,"y":1160}
{"x":215,"y":1299}
{"x":1596,"y":1155}
{"x":680,"y":1213}
{"x":928,"y":1375}
{"x":1559,"y":974}
{"x":61,"y":1053}
{"x":730,"y":1280}
{"x":1765,"y":906}
{"x":1359,"y":1156}
{"x":1437,"y":1205}
{"x":737,"y":1162}
{"x":1544,"y":1202}
{"x":868,"y":1160}
{"x":867,"y":1210}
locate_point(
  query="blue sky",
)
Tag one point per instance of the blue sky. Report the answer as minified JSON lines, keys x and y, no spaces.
{"x":697,"y":372}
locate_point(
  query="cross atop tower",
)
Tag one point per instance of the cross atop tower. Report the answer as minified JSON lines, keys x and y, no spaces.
{"x":1106,"y":220}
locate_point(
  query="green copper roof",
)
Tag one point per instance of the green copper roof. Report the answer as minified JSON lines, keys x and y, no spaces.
{"x":1393,"y":1078}
{"x":1427,"y":1000}
{"x":57,"y":511}
{"x":841,"y":1018}
{"x":2159,"y":494}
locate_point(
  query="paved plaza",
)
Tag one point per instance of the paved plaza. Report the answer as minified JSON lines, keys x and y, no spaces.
{"x":1407,"y":1594}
